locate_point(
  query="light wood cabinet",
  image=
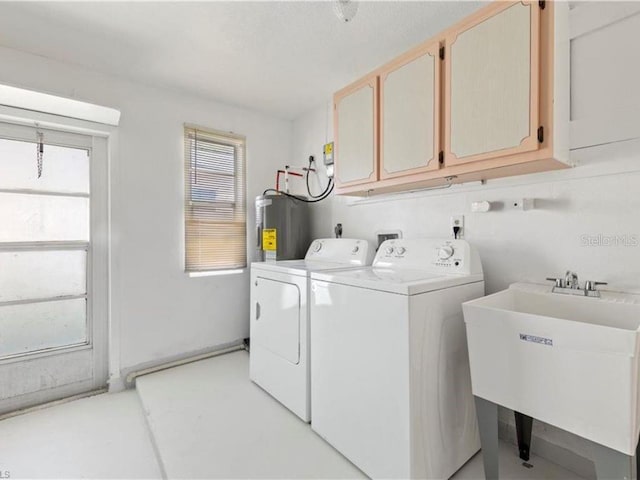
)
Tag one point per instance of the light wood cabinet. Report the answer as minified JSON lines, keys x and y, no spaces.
{"x":356,"y":132}
{"x":491,"y":84}
{"x":409,"y":113}
{"x":487,"y":98}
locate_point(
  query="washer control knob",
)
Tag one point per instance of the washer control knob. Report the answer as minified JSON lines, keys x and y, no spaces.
{"x":389,"y":250}
{"x":356,"y":249}
{"x":317,"y":246}
{"x":401,"y":250}
{"x":445,"y":252}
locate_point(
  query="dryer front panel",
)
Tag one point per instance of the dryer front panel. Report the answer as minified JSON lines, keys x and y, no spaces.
{"x":275,"y":317}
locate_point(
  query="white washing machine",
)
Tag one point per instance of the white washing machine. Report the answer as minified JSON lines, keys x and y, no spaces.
{"x":279,"y":357}
{"x":391,"y":388}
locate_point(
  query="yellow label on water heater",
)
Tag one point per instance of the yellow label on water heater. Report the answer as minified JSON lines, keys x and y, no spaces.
{"x":269,"y":236}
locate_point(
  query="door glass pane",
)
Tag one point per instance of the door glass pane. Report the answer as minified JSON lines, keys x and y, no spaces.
{"x":64,"y":169}
{"x":30,"y":218}
{"x":42,"y":274}
{"x":39,"y":326}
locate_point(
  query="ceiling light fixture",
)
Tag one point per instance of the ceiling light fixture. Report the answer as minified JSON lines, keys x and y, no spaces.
{"x":345,"y":10}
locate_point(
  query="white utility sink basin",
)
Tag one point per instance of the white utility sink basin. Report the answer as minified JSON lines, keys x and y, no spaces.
{"x":569,"y":361}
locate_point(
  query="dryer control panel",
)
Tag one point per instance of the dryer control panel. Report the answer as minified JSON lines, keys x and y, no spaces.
{"x":433,"y":254}
{"x":341,"y":250}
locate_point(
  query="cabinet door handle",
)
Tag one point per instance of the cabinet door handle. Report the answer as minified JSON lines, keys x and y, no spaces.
{"x":257,"y":310}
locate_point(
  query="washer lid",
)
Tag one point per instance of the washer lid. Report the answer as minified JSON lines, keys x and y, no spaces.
{"x":400,"y":281}
{"x":298,"y":267}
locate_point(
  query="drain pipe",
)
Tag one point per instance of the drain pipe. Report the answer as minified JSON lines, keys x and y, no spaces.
{"x":132,"y":376}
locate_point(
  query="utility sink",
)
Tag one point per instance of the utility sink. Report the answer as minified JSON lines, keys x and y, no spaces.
{"x":570,"y":361}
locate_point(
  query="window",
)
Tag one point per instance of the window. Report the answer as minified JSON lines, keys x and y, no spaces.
{"x":215,"y":207}
{"x":44,"y":242}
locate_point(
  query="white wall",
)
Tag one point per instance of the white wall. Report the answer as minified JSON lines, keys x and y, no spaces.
{"x":598,"y":197}
{"x":161,"y":311}
{"x":310,"y":132}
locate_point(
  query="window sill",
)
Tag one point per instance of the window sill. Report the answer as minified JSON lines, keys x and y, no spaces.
{"x":216,"y":273}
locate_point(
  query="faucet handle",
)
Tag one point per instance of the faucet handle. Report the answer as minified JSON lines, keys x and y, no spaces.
{"x":559,"y":281}
{"x":590,"y":285}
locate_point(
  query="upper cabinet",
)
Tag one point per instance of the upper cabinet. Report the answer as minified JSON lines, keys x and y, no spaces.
{"x":487,"y":98}
{"x":605,"y":98}
{"x":356,"y":132}
{"x":492,"y":68}
{"x":409,"y":113}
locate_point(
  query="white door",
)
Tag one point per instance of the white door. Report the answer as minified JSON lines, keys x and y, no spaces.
{"x":276,"y":318}
{"x":53,"y":265}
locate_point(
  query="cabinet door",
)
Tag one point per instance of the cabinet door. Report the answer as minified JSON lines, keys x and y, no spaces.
{"x":409,"y":113}
{"x":356,"y":133}
{"x":492,"y":84}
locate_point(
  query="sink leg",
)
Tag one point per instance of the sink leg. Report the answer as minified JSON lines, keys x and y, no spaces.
{"x":524,"y":423}
{"x":611,"y":464}
{"x":638,"y":461}
{"x":487,"y":413}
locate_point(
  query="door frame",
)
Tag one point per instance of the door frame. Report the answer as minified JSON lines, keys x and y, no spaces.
{"x":103,"y":325}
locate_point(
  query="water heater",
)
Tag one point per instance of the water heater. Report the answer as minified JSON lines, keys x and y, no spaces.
{"x":282,"y":227}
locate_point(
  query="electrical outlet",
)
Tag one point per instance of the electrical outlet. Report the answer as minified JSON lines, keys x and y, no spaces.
{"x":458,"y":221}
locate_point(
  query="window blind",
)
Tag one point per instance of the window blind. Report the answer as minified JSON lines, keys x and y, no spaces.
{"x":215,"y":206}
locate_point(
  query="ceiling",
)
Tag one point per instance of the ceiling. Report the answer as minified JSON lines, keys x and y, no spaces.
{"x":279,"y":57}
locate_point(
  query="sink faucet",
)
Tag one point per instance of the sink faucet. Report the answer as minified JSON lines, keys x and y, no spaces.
{"x":570,"y":285}
{"x":571,"y":280}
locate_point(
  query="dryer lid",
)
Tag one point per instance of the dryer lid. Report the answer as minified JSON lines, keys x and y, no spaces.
{"x":297,"y":267}
{"x":324,"y":254}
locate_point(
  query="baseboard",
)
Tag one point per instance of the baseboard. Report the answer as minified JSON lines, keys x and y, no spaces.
{"x":167,"y":362}
{"x":53,"y":403}
{"x":541,"y":447}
